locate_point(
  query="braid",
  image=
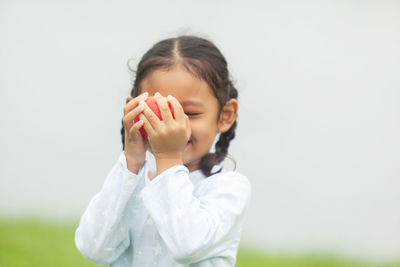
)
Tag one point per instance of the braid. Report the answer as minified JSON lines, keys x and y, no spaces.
{"x":221,"y":147}
{"x":123,"y":135}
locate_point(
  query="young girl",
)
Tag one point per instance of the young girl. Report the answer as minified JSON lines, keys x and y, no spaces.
{"x":190,"y":212}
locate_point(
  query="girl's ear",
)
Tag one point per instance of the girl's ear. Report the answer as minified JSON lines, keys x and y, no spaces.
{"x":228,"y":115}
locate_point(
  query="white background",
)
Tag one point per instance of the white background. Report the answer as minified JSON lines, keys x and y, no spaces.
{"x":319,"y":119}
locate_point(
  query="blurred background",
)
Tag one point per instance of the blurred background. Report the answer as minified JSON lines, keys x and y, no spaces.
{"x":319,"y":116}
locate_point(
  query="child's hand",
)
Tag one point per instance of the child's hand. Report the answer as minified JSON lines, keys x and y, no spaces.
{"x":168,"y":137}
{"x":135,"y":145}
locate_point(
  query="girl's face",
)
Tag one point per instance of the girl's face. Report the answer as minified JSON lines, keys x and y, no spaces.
{"x":198,"y":102}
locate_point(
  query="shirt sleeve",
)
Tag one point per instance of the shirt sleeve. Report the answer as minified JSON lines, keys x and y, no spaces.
{"x":197,"y":228}
{"x":103,"y":231}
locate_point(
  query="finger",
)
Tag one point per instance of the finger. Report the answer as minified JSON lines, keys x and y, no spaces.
{"x":130,"y":117}
{"x":151,"y":118}
{"x":129,"y":98}
{"x":147,"y":125}
{"x":135,"y":128}
{"x":177,"y":108}
{"x":187,"y":121}
{"x":163,"y":106}
{"x":133,"y":102}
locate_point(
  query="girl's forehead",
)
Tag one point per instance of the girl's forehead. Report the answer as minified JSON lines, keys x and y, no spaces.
{"x":177,"y":82}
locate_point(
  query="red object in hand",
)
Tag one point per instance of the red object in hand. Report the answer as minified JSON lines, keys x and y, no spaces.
{"x":152,"y":103}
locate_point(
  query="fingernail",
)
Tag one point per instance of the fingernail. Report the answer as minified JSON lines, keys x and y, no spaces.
{"x":169,"y":97}
{"x":157,"y":94}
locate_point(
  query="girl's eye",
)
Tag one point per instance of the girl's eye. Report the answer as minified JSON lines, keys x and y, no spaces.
{"x":192,"y":114}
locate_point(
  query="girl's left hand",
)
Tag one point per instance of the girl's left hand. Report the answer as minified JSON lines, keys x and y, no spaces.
{"x":167,"y":137}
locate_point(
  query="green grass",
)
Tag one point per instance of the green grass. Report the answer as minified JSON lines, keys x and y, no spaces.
{"x":31,"y":242}
{"x":249,"y":258}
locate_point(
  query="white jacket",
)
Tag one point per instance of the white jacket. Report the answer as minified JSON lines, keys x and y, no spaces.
{"x":176,"y":219}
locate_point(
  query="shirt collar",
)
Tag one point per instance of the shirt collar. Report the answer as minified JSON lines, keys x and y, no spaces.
{"x":194,"y":176}
{"x":198,"y":172}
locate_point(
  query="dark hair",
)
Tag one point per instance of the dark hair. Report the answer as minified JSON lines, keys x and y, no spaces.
{"x":202,"y":59}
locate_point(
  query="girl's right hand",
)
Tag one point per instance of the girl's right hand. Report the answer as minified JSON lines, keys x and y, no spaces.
{"x":135,"y":145}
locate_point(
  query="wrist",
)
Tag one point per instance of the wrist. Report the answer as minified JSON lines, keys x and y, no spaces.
{"x":165,"y":162}
{"x":133,"y":163}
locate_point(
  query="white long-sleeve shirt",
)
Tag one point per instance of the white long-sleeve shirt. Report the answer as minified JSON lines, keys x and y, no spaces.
{"x":179,"y":218}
